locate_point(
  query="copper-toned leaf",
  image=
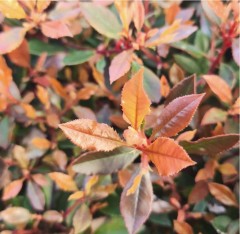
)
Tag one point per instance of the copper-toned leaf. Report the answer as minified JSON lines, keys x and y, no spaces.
{"x":168,"y":156}
{"x":41,"y":143}
{"x":12,"y":189}
{"x":43,"y":96}
{"x":105,"y":162}
{"x":84,"y":113}
{"x":20,"y":56}
{"x":55,"y":29}
{"x":11,"y":39}
{"x":177,"y":115}
{"x":223,"y":194}
{"x":211,"y":145}
{"x":213,"y":116}
{"x":235,"y":109}
{"x":82,"y":219}
{"x":136,"y":207}
{"x":120,"y":65}
{"x":91,"y":135}
{"x":135,"y":102}
{"x":101,"y":19}
{"x":182,"y":88}
{"x":134,"y":137}
{"x":165,"y":88}
{"x":35,"y":196}
{"x":219,"y":87}
{"x":63,"y":181}
{"x":199,"y":192}
{"x":186,"y":136}
{"x":182,"y":227}
{"x":12,"y":9}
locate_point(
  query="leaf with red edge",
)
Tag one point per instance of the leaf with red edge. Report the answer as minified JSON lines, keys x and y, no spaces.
{"x":168,"y":156}
{"x":12,"y":189}
{"x":223,"y":194}
{"x":136,"y":207}
{"x":90,"y":135}
{"x":177,"y":115}
{"x":55,"y":29}
{"x":219,"y":87}
{"x":210,"y":145}
{"x":11,"y":39}
{"x":135,"y":102}
{"x":120,"y":65}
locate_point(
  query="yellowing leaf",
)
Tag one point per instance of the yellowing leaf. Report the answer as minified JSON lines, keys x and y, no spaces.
{"x":12,"y":189}
{"x":91,"y":182}
{"x":29,"y":110}
{"x":43,"y":96}
{"x":63,"y":181}
{"x":120,"y":65}
{"x":42,"y":5}
{"x":227,"y":169}
{"x":19,"y":153}
{"x":5,"y":78}
{"x":55,"y":29}
{"x":223,"y":194}
{"x":11,"y":39}
{"x":219,"y":87}
{"x":168,"y":156}
{"x":41,"y":143}
{"x":135,"y":102}
{"x":77,"y":195}
{"x":90,"y":135}
{"x":12,"y":9}
{"x":235,"y":109}
{"x":182,"y":227}
{"x":165,"y":88}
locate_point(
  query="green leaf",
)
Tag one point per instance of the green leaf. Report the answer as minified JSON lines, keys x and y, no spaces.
{"x":151,"y":85}
{"x":221,"y":222}
{"x":202,"y":41}
{"x":228,"y":74}
{"x":161,"y":219}
{"x":101,"y":19}
{"x":135,"y":208}
{"x":184,"y":87}
{"x":112,"y":226}
{"x":105,"y":162}
{"x":78,"y":57}
{"x":210,"y":145}
{"x":188,"y":64}
{"x":37,"y":47}
{"x":4,"y":132}
{"x":190,"y":49}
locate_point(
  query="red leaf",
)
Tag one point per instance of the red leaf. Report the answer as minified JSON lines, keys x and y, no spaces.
{"x":168,"y":156}
{"x":177,"y":115}
{"x":55,"y":29}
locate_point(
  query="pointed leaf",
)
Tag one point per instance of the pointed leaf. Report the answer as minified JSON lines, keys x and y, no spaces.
{"x":12,"y":9}
{"x":177,"y":115}
{"x":105,"y":162}
{"x":63,"y":181}
{"x":78,"y":57}
{"x":219,"y":87}
{"x":90,"y":135}
{"x":35,"y":196}
{"x":55,"y":29}
{"x":11,"y":39}
{"x":182,"y":88}
{"x":223,"y":194}
{"x":211,"y":145}
{"x":135,"y":102}
{"x":120,"y":65}
{"x":12,"y":189}
{"x":199,"y":192}
{"x":136,"y":207}
{"x":168,"y":156}
{"x":101,"y":19}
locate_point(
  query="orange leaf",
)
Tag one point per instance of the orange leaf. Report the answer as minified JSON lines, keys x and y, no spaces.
{"x":11,"y":39}
{"x":182,"y":227}
{"x":134,"y":137}
{"x":120,"y":65}
{"x":12,"y":9}
{"x":177,"y":115}
{"x":77,"y":195}
{"x":186,"y":136}
{"x":168,"y":156}
{"x":63,"y":181}
{"x":43,"y":96}
{"x":29,"y":110}
{"x":223,"y":194}
{"x":227,"y":169}
{"x":235,"y":109}
{"x":20,"y":56}
{"x":5,"y":77}
{"x":219,"y":87}
{"x":90,"y":183}
{"x":12,"y":189}
{"x":90,"y":135}
{"x":165,"y":88}
{"x":41,"y":143}
{"x":135,"y":102}
{"x":55,"y":29}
